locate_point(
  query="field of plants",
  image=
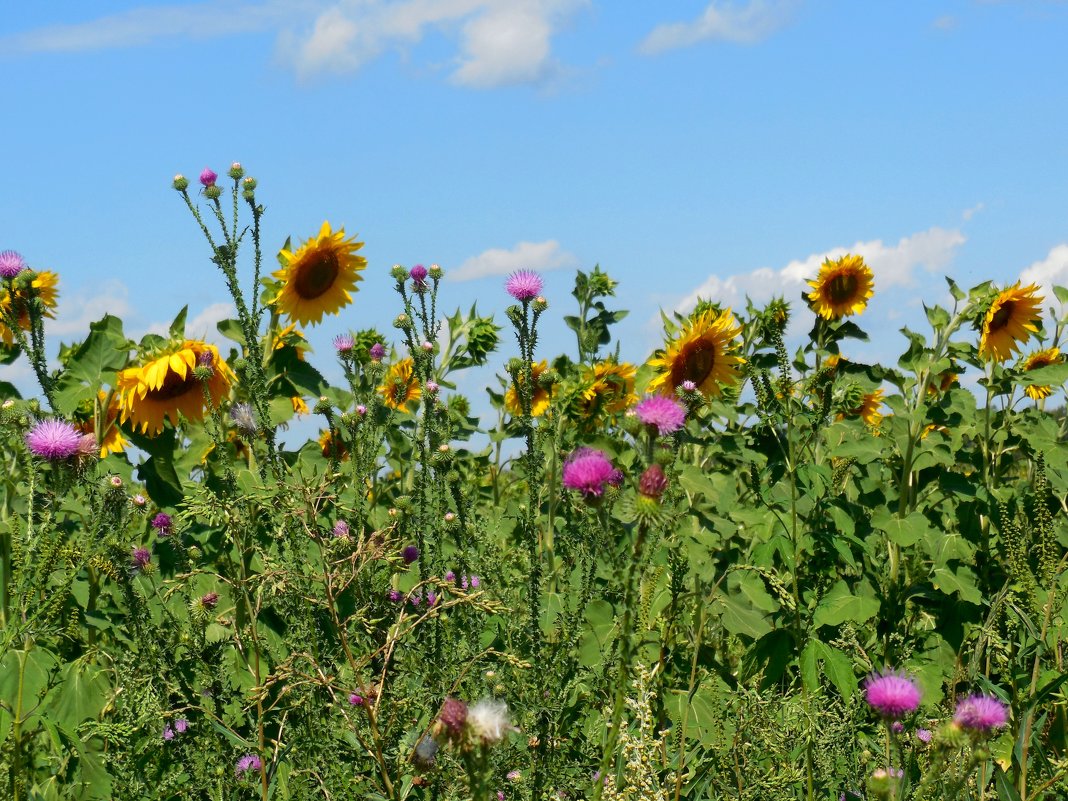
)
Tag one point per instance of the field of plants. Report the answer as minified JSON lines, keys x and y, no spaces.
{"x":744,"y":569}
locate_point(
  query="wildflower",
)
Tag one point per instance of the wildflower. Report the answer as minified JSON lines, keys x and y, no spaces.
{"x":249,"y":762}
{"x":688,"y":386}
{"x":701,"y":353}
{"x":168,"y":733}
{"x":1037,"y":360}
{"x":400,"y":387}
{"x":317,"y":278}
{"x":489,"y":720}
{"x":539,"y":402}
{"x":588,"y":470}
{"x":209,"y":600}
{"x":409,"y":554}
{"x":418,"y":274}
{"x":432,"y":387}
{"x":15,"y":301}
{"x":115,"y":481}
{"x":139,"y":501}
{"x":842,"y":287}
{"x":394,"y":596}
{"x":87,"y":445}
{"x":892,"y":694}
{"x":341,"y":529}
{"x":181,"y":725}
{"x":356,"y":699}
{"x":513,"y":775}
{"x":981,"y":713}
{"x":923,"y":735}
{"x":453,"y":716}
{"x":475,"y":582}
{"x":653,"y":483}
{"x":244,"y":418}
{"x":11,"y":264}
{"x":162,"y":524}
{"x":897,"y":727}
{"x":524,"y":285}
{"x":450,"y":575}
{"x":141,"y":558}
{"x":208,"y":177}
{"x":1009,"y":321}
{"x":661,"y":412}
{"x":377,"y":352}
{"x":431,"y":598}
{"x":344,"y":343}
{"x":53,"y":440}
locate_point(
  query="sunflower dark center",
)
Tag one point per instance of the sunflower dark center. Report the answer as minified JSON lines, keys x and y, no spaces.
{"x":173,"y":386}
{"x":842,"y":288}
{"x":695,"y":363}
{"x":316,"y":275}
{"x":1001,"y":316}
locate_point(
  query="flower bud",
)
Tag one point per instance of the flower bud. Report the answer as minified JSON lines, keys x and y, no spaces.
{"x":540,"y":304}
{"x":208,"y":177}
{"x":435,"y":272}
{"x":653,"y":483}
{"x":212,"y":192}
{"x":181,"y":183}
{"x":399,"y":273}
{"x":402,"y":321}
{"x":515,"y":366}
{"x":236,"y":171}
{"x":249,"y":184}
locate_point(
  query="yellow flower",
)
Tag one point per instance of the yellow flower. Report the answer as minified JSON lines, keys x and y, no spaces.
{"x":539,"y":404}
{"x":842,"y":287}
{"x":400,"y":386}
{"x":869,"y":408}
{"x":112,"y":441}
{"x":317,"y":278}
{"x":166,"y":385}
{"x":329,"y":443}
{"x":1009,"y":321}
{"x":299,"y":406}
{"x":608,"y":389}
{"x":45,"y":285}
{"x":941,"y":382}
{"x":701,"y":353}
{"x":1041,"y":358}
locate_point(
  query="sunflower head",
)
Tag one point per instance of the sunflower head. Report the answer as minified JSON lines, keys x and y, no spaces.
{"x":333,"y":447}
{"x":1009,"y":321}
{"x":607,"y":389}
{"x":842,"y":287}
{"x":400,"y":386}
{"x":165,"y":385}
{"x":869,"y":408}
{"x":703,"y":352}
{"x":1041,"y":358}
{"x":539,"y":403}
{"x":16,"y":302}
{"x":317,"y":278}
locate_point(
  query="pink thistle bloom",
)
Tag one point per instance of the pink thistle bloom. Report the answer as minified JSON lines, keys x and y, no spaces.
{"x":981,"y":713}
{"x":181,"y":725}
{"x":524,"y":285}
{"x":923,"y":735}
{"x":893,"y":694}
{"x":341,"y":529}
{"x":377,"y":352}
{"x":344,"y":343}
{"x":11,"y":264}
{"x":208,"y":177}
{"x":453,"y":715}
{"x":168,"y":733}
{"x":666,"y":414}
{"x":247,"y":763}
{"x":356,"y":699}
{"x":54,"y":440}
{"x":588,"y":470}
{"x":162,"y":523}
{"x":141,"y":558}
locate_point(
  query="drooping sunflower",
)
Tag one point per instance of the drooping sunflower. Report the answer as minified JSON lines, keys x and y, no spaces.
{"x":400,"y":386}
{"x":539,"y":403}
{"x":607,"y":389}
{"x":45,"y":285}
{"x":1009,"y":321}
{"x":317,"y":278}
{"x":166,"y":385}
{"x":701,"y":353}
{"x":842,"y":287}
{"x":112,"y":440}
{"x":1041,"y":358}
{"x":332,"y":447}
{"x":869,"y":408}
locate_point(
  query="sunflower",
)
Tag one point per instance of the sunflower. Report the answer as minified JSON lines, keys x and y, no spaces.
{"x":317,"y":278}
{"x":112,"y":440}
{"x":332,"y":446}
{"x":539,"y":403}
{"x":1009,"y":321}
{"x":166,"y":385}
{"x":45,"y":285}
{"x":608,"y":388}
{"x":400,"y":386}
{"x":299,"y":406}
{"x":701,"y":353}
{"x":1042,"y":358}
{"x":842,"y":287}
{"x":869,"y":408}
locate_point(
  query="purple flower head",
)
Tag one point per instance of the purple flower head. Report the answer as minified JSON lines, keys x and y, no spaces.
{"x":87,"y":445}
{"x":11,"y":264}
{"x":653,"y":483}
{"x":664,"y":414}
{"x":453,"y":715}
{"x":588,"y":470}
{"x":208,"y":177}
{"x":361,"y":410}
{"x":344,"y":343}
{"x":923,"y":735}
{"x":394,"y":596}
{"x":415,"y":599}
{"x":138,"y":500}
{"x":688,"y":386}
{"x":377,"y":351}
{"x":341,"y":529}
{"x":897,"y":727}
{"x":162,"y":524}
{"x":981,"y":713}
{"x":513,"y":775}
{"x":431,"y":598}
{"x":54,"y":440}
{"x":209,"y":600}
{"x":181,"y":725}
{"x":141,"y":558}
{"x":409,"y":554}
{"x":418,"y":274}
{"x":893,"y":694}
{"x":168,"y":733}
{"x":475,"y":582}
{"x":450,"y":575}
{"x":524,"y":285}
{"x":500,"y":795}
{"x":356,"y":699}
{"x":432,"y":387}
{"x":464,"y":583}
{"x":249,"y":762}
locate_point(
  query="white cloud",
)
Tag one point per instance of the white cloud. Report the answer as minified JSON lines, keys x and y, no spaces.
{"x":1051,"y":270}
{"x":203,"y":325}
{"x":741,"y":23}
{"x":538,"y":256}
{"x":76,"y":310}
{"x":893,"y":265}
{"x":967,"y":214}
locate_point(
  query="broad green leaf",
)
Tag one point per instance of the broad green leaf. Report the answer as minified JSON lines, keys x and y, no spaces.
{"x":960,"y":581}
{"x":840,"y":605}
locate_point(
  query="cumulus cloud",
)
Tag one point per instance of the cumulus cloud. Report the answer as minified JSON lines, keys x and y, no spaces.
{"x":893,"y":265}
{"x":79,"y":308}
{"x":538,"y":256}
{"x":1049,"y":271}
{"x":740,"y":23}
{"x":203,"y":325}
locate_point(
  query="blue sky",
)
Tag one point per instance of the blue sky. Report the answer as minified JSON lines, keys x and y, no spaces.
{"x":691,"y":147}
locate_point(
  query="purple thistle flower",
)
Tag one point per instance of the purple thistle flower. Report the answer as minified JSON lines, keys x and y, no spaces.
{"x":431,"y":598}
{"x":474,"y":582}
{"x":588,"y":470}
{"x":450,"y":575}
{"x":524,"y":285}
{"x":453,"y":715}
{"x":897,"y":727}
{"x":409,"y":554}
{"x":418,"y":275}
{"x":141,"y":558}
{"x":181,"y":725}
{"x":981,"y":713}
{"x":356,"y":699}
{"x":923,"y":735}
{"x":415,"y":599}
{"x":168,"y":733}
{"x":464,"y":584}
{"x":208,"y":177}
{"x":688,"y":386}
{"x":247,"y":763}
{"x":893,"y":694}
{"x":162,"y":524}
{"x":344,"y":343}
{"x":11,"y":264}
{"x":341,"y":529}
{"x":54,"y":440}
{"x":394,"y":596}
{"x":653,"y":483}
{"x":377,"y":352}
{"x":664,"y":414}
{"x":361,"y":410}
{"x":209,"y":599}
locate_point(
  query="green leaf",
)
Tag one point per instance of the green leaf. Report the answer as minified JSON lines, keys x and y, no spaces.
{"x":960,"y":581}
{"x":904,"y":531}
{"x":82,"y":692}
{"x":93,"y":364}
{"x":840,"y":605}
{"x":24,"y":678}
{"x":231,"y":329}
{"x":177,"y":329}
{"x":740,"y":618}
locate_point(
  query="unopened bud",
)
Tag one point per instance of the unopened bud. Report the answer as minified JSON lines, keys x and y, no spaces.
{"x":399,"y":273}
{"x":236,"y":171}
{"x":181,"y":183}
{"x":212,"y":192}
{"x":540,"y":304}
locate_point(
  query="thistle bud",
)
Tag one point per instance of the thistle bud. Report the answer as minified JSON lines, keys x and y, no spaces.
{"x":399,"y":273}
{"x":212,"y":192}
{"x":540,"y":304}
{"x":402,"y":321}
{"x":181,"y":183}
{"x":435,"y":272}
{"x":653,"y":483}
{"x":249,"y":184}
{"x":236,"y":171}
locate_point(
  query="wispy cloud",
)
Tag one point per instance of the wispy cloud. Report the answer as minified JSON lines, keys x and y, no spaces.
{"x":721,"y":21}
{"x":203,"y":325}
{"x":538,"y":256}
{"x":79,"y":308}
{"x":893,"y":265}
{"x":1049,"y":271}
